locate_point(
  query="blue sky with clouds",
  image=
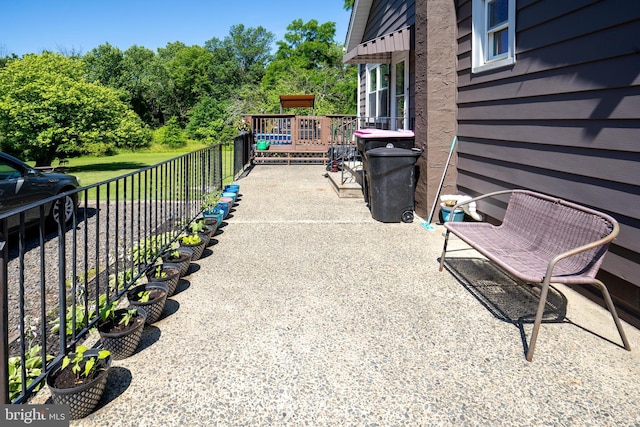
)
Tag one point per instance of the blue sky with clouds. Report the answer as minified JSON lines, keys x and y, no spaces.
{"x":31,"y":26}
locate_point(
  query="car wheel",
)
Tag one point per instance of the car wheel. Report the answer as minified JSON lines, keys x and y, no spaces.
{"x":66,"y":206}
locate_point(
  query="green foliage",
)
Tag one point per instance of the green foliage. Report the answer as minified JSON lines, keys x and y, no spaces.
{"x":210,"y":200}
{"x":143,"y":296}
{"x":33,"y":364}
{"x":159,"y":273}
{"x":49,"y":110}
{"x":207,"y":121}
{"x":108,"y":313}
{"x":191,"y":239}
{"x":147,"y":248}
{"x":107,"y":100}
{"x":83,"y":367}
{"x":310,"y":61}
{"x":171,"y":135}
{"x":83,"y":317}
{"x":124,"y":278}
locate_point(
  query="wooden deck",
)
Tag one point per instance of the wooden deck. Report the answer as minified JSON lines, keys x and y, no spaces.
{"x":298,"y":139}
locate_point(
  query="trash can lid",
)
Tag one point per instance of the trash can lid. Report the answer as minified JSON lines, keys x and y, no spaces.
{"x":394,"y":152}
{"x":380,"y":133}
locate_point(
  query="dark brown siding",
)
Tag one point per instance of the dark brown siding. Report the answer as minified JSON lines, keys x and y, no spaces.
{"x":564,"y":119}
{"x":388,"y":16}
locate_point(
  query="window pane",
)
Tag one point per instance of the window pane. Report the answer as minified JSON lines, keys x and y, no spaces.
{"x":400,"y":78}
{"x":384,"y":75}
{"x":372,"y":104}
{"x":383,"y":110}
{"x":500,"y":42}
{"x":373,"y":85}
{"x":498,"y":12}
{"x":400,"y":106}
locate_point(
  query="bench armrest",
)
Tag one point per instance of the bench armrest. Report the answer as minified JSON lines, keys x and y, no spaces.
{"x":595,"y":244}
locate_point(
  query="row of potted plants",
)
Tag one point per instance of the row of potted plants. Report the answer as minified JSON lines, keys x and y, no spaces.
{"x":79,"y":379}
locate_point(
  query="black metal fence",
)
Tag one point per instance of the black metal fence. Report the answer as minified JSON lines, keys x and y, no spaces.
{"x":54,"y":277}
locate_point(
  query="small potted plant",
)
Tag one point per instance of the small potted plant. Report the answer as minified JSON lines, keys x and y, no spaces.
{"x":79,"y":380}
{"x":195,"y":242}
{"x":151,"y":297}
{"x":210,"y":211}
{"x":180,"y":256}
{"x":200,"y":227}
{"x":165,"y":273}
{"x":121,"y":329}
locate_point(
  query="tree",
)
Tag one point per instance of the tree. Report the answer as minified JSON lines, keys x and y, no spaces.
{"x":188,"y":69}
{"x":251,"y":49}
{"x":310,"y":61}
{"x":104,"y":65}
{"x":208,"y":121}
{"x":49,"y":110}
{"x":348,"y":4}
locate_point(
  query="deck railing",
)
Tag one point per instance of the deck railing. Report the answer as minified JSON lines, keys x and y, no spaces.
{"x":52,"y":277}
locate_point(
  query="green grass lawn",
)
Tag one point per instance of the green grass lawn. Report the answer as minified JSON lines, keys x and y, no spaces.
{"x":91,"y":169}
{"x":96,"y":169}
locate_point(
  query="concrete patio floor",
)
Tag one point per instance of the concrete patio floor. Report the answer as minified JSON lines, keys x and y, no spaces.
{"x":306,"y":311}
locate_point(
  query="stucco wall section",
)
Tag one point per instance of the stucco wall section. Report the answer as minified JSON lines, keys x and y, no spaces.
{"x":435,"y":49}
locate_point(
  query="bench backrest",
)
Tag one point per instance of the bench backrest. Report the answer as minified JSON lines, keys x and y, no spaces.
{"x":551,"y":226}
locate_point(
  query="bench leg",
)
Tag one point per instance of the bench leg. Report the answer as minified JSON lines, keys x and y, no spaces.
{"x":614,"y":313}
{"x":538,"y":321}
{"x":543,"y":301}
{"x":444,"y":250}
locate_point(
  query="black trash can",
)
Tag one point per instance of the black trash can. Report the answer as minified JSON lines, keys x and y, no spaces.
{"x":368,"y":139}
{"x":391,"y":177}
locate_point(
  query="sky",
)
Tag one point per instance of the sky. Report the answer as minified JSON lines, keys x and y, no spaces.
{"x":78,"y":26}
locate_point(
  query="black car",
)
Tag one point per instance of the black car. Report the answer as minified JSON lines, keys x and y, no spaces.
{"x":21,"y":184}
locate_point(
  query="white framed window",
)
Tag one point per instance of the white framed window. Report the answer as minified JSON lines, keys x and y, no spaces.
{"x":377,"y":90}
{"x":399,"y":92}
{"x":493,"y":37}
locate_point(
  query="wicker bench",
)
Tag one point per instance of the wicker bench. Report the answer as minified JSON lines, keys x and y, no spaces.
{"x":543,"y":240}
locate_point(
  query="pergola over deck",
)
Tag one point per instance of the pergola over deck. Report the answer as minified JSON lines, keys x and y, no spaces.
{"x":297,"y":101}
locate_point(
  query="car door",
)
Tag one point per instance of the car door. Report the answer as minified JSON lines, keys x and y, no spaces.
{"x":20,"y":186}
{"x":11,"y":180}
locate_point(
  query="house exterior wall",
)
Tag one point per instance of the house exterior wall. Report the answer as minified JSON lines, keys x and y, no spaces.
{"x":563,"y":120}
{"x":432,"y":88}
{"x":386,"y":16}
{"x":435,"y":95}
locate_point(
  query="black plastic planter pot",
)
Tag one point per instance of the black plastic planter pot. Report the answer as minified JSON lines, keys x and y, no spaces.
{"x":197,"y":248}
{"x":124,"y":343}
{"x":172,"y":275}
{"x":154,"y":306}
{"x":182,"y":261}
{"x":83,"y":399}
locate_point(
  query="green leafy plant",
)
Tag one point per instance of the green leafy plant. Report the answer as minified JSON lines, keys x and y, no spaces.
{"x":123,"y":279}
{"x":197,"y":227}
{"x":108,"y":312}
{"x":33,"y":364}
{"x":148,"y":248}
{"x":191,"y":239}
{"x":84,"y":367}
{"x":160,"y":273}
{"x":210,"y":200}
{"x":143,"y":296}
{"x":83,"y":317}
